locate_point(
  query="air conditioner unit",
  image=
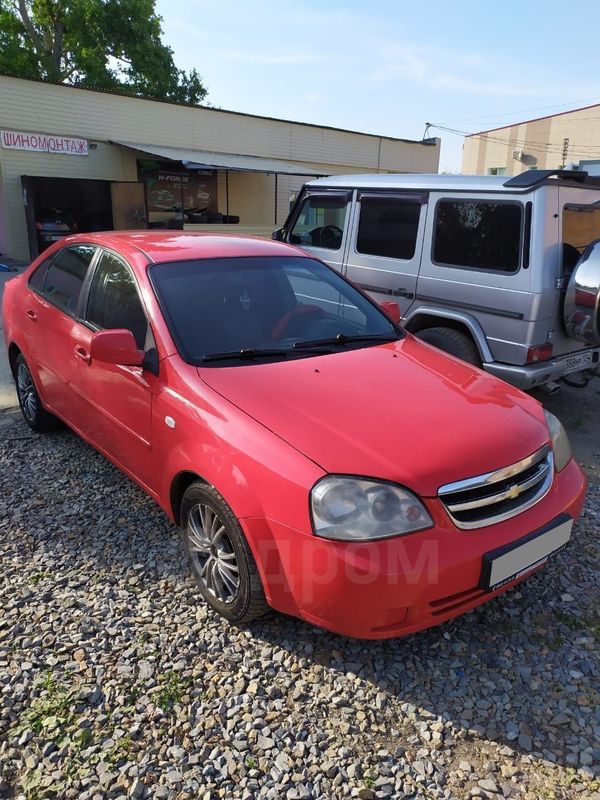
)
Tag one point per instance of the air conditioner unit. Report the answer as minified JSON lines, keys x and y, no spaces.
{"x":518,"y":154}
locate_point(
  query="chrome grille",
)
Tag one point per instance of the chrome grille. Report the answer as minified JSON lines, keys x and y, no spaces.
{"x":496,"y":496}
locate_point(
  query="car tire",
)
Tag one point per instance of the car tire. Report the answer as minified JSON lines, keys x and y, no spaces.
{"x":453,"y":342}
{"x":34,"y":413}
{"x":219,"y":556}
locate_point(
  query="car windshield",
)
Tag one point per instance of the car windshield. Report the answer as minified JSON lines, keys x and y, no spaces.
{"x":254,"y":309}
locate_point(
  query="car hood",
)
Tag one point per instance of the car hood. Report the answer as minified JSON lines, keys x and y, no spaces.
{"x":403,"y":411}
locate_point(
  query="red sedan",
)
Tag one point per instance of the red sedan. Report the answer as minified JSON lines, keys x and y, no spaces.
{"x":318,"y":459}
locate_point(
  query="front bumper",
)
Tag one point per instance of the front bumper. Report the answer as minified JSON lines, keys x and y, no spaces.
{"x":528,"y":376}
{"x":397,"y":586}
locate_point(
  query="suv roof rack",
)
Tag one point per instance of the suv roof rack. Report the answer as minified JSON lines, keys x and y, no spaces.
{"x":533,"y":177}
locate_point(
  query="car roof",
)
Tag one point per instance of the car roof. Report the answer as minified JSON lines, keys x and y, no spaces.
{"x":421,"y":182}
{"x":173,"y":245}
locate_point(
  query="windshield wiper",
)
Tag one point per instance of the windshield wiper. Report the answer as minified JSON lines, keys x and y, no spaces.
{"x":246,"y":352}
{"x":343,"y":338}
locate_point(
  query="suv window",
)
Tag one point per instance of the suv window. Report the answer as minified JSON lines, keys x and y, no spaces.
{"x":581,"y":227}
{"x":113,"y":300}
{"x":321,"y":222}
{"x":478,"y":234}
{"x":65,"y":276}
{"x":388,"y":227}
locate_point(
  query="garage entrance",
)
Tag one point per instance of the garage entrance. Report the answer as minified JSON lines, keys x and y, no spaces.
{"x":56,"y":207}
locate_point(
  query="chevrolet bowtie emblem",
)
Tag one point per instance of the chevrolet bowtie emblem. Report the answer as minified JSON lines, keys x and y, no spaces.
{"x":514,"y":491}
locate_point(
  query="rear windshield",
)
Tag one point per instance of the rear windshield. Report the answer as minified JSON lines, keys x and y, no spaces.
{"x":226,"y":305}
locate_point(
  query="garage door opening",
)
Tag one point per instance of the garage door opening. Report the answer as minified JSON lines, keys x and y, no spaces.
{"x":57,"y":207}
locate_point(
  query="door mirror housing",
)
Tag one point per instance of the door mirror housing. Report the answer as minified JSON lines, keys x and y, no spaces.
{"x":116,"y":347}
{"x":279,"y":235}
{"x":391,"y":310}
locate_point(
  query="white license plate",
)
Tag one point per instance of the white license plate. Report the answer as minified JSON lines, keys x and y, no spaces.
{"x":508,"y":563}
{"x":578,"y":362}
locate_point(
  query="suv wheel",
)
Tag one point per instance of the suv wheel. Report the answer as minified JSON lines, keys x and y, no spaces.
{"x":219,"y":555}
{"x":34,"y":414}
{"x":453,"y":342}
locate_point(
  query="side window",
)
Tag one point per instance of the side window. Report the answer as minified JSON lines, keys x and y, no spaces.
{"x":114,"y":302}
{"x":478,"y":234}
{"x":388,"y":227}
{"x":38,"y":278}
{"x":321,"y":222}
{"x":65,"y":276}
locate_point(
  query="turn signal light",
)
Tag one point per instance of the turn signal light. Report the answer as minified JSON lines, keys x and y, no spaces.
{"x":541,"y":352}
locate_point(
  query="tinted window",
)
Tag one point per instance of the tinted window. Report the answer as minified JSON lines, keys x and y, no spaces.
{"x":65,"y":276}
{"x":321,"y":222}
{"x":481,"y":235}
{"x":114,"y":301}
{"x":232,"y":304}
{"x":388,"y":227}
{"x":38,"y":278}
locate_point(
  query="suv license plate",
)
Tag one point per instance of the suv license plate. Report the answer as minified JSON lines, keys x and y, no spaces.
{"x":508,"y":563}
{"x":578,"y":362}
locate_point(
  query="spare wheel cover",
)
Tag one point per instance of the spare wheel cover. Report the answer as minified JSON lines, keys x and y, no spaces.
{"x":582,"y":300}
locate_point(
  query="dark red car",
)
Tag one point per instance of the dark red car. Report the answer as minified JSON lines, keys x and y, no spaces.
{"x":318,"y":459}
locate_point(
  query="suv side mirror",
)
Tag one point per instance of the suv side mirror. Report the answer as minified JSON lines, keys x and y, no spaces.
{"x":116,"y":347}
{"x":279,"y":235}
{"x":391,"y":310}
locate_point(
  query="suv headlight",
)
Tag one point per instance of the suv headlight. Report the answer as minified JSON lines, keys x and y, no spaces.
{"x":560,"y":441}
{"x":357,"y":509}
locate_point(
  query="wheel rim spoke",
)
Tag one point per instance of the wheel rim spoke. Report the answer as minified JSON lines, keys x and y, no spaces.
{"x":212,"y":553}
{"x":26,"y":392}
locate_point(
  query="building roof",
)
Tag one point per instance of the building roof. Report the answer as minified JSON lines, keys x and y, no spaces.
{"x":426,"y":142}
{"x":534,"y":119}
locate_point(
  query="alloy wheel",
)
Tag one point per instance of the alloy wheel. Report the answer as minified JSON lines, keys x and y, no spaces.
{"x":27,"y":393}
{"x":212,"y":553}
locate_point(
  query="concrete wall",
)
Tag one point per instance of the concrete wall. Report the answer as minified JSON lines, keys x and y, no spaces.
{"x":541,"y":140}
{"x":101,"y":117}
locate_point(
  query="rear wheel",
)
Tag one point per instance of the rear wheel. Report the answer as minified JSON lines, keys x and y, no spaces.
{"x":451,"y":341}
{"x":34,"y":414}
{"x":219,"y":556}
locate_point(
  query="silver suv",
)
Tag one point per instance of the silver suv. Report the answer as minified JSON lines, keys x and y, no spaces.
{"x":504,"y":273}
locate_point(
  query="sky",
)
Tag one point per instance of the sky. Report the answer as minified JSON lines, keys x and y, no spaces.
{"x":389,"y":68}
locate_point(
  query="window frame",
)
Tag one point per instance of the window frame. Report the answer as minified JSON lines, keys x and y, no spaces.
{"x":419,"y":198}
{"x":341,"y":193}
{"x":491,"y":201}
{"x":47,"y":263}
{"x":88,"y":286}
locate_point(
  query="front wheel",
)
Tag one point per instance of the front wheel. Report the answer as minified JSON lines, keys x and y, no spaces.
{"x":34,"y":414}
{"x":219,"y":556}
{"x":453,"y":342}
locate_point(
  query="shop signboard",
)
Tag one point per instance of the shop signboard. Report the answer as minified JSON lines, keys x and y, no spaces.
{"x":44,"y":143}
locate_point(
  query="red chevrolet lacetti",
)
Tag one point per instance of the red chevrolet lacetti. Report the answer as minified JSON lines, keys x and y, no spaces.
{"x":318,"y":459}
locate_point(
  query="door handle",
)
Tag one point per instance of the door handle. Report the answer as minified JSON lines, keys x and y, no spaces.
{"x":82,"y":354}
{"x":31,"y":315}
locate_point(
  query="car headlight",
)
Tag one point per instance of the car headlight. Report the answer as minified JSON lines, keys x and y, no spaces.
{"x":560,"y":441}
{"x":357,"y":509}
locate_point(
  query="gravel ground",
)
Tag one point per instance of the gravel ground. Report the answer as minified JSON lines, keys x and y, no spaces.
{"x":116,"y":681}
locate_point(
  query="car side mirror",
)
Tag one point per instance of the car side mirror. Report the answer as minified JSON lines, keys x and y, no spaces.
{"x":391,"y":310}
{"x":279,"y":235}
{"x":116,"y":347}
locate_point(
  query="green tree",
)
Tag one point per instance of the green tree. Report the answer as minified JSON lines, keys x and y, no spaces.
{"x":102,"y":44}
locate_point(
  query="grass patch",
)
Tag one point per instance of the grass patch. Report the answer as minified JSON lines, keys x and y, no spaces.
{"x":172,"y":691}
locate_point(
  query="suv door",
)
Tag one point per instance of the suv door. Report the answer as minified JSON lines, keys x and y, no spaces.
{"x":385,"y":246}
{"x":320,"y":225}
{"x":117,"y":399}
{"x":51,"y":325}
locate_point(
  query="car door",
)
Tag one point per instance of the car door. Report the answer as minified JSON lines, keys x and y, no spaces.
{"x":320,"y":226}
{"x":116,"y":399}
{"x":385,"y":246}
{"x":51,"y":324}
